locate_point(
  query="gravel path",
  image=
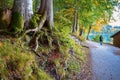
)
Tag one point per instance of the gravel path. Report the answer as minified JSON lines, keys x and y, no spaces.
{"x":105,"y":60}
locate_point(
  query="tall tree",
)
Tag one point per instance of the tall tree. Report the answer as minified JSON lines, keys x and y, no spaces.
{"x":47,"y":7}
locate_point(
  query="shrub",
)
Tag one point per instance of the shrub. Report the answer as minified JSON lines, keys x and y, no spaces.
{"x":96,"y":38}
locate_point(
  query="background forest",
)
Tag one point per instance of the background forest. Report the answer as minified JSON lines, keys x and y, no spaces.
{"x":37,"y":37}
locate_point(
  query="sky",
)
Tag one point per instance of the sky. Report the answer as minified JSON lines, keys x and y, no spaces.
{"x":116,"y":16}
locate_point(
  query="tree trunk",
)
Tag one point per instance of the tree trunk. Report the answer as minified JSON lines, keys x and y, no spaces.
{"x":47,"y":6}
{"x":21,"y":14}
{"x":75,"y":22}
{"x":28,"y":11}
{"x":18,"y":12}
{"x":19,"y":6}
{"x":89,"y":32}
{"x":80,"y":32}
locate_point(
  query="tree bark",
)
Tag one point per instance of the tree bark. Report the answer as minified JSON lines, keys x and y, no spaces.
{"x":18,"y":12}
{"x":47,"y":6}
{"x":24,"y":7}
{"x":28,"y":11}
{"x":89,"y":32}
{"x":21,"y":14}
{"x":75,"y":22}
{"x":19,"y":6}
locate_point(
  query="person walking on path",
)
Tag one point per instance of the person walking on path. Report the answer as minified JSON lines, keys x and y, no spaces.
{"x":101,"y":39}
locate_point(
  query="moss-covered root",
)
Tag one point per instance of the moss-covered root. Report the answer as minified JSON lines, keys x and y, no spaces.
{"x":17,"y":23}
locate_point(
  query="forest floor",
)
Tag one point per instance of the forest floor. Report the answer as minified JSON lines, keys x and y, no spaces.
{"x":85,"y":67}
{"x":105,"y":61}
{"x":102,"y":61}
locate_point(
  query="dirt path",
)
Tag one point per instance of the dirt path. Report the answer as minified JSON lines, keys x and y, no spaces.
{"x":105,"y":61}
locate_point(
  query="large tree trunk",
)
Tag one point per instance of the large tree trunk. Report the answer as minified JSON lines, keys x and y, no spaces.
{"x":47,"y":6}
{"x":21,"y":14}
{"x":28,"y":11}
{"x":19,"y":6}
{"x":18,"y":12}
{"x":25,"y":7}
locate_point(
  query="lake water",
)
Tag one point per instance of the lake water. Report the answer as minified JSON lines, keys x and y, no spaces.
{"x":106,"y":37}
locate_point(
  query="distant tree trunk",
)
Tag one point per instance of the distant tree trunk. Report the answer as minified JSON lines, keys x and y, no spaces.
{"x":75,"y":22}
{"x":81,"y":30}
{"x":89,"y":32}
{"x":47,"y":6}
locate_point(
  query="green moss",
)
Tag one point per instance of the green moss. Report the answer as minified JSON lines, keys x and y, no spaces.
{"x":34,"y":21}
{"x":43,"y":76}
{"x":17,"y":22}
{"x":19,"y":61}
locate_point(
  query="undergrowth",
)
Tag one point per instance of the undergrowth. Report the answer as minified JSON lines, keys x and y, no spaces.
{"x":81,"y":38}
{"x":96,"y":38}
{"x":17,"y":63}
{"x":72,"y":56}
{"x":57,"y":54}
